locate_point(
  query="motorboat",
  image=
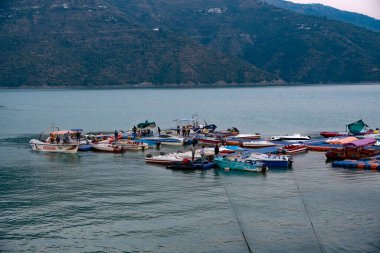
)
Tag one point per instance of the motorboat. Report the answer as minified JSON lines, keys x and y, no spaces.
{"x":164,"y":159}
{"x":209,"y":141}
{"x":56,"y":141}
{"x":293,"y":149}
{"x":132,"y":145}
{"x":258,"y":144}
{"x":294,"y":137}
{"x":187,"y":164}
{"x":167,"y":139}
{"x":241,"y":165}
{"x":107,"y":147}
{"x":272,"y":160}
{"x":248,"y":136}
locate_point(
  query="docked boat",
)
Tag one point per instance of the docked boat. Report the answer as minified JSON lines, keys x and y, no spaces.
{"x":242,"y":165}
{"x":107,"y":147}
{"x":132,"y":145}
{"x":258,"y":144}
{"x":273,"y":161}
{"x":328,"y":134}
{"x":293,"y":149}
{"x":166,"y":139}
{"x":294,"y":137}
{"x":354,"y":150}
{"x":248,"y":136}
{"x":209,"y":141}
{"x":163,"y":159}
{"x":187,"y":164}
{"x":56,"y":141}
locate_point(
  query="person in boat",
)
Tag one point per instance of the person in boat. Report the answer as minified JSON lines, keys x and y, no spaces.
{"x":159,"y":130}
{"x":183,"y":131}
{"x":178,"y":130}
{"x":203,"y":153}
{"x":52,"y":138}
{"x":67,"y":137}
{"x":216,"y":150}
{"x":57,"y":139}
{"x":77,"y":134}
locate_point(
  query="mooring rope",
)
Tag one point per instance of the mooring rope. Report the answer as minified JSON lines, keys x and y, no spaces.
{"x":234,"y":213}
{"x":308,"y":215}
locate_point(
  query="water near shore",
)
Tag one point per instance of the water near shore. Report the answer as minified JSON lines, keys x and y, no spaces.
{"x":116,"y":203}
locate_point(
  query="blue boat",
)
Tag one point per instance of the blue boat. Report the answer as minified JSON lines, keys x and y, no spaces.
{"x":192,"y":165}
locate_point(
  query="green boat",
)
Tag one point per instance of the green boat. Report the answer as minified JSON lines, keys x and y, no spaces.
{"x":247,"y":165}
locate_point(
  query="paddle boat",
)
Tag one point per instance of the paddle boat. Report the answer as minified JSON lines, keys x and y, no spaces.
{"x":294,"y":137}
{"x":258,"y":144}
{"x":293,"y":149}
{"x":58,"y":141}
{"x":242,"y":165}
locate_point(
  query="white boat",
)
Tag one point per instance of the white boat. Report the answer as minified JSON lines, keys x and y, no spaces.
{"x":58,"y":141}
{"x":114,"y":148}
{"x":272,"y":161}
{"x":53,"y":147}
{"x":163,"y":159}
{"x":132,"y":145}
{"x":166,"y":139}
{"x":248,"y":136}
{"x":258,"y":144}
{"x":294,"y":137}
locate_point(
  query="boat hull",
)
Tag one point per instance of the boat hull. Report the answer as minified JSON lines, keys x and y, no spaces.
{"x":70,"y":148}
{"x":238,"y":165}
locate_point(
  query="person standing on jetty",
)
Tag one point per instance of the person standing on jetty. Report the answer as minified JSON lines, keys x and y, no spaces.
{"x":116,"y":135}
{"x":193,"y":149}
{"x":216,"y":150}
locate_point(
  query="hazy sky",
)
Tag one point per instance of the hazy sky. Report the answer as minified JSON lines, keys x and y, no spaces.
{"x":367,"y":7}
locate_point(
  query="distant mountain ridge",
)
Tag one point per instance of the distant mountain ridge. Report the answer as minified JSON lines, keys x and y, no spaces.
{"x":177,"y":42}
{"x":329,"y":12}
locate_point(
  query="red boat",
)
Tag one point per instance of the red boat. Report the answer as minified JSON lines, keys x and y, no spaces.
{"x":209,"y":141}
{"x":293,"y":149}
{"x":328,"y":134}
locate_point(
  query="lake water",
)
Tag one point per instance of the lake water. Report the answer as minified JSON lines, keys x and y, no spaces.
{"x":98,"y":202}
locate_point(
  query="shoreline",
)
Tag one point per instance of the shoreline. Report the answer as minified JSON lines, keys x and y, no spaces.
{"x":181,"y":86}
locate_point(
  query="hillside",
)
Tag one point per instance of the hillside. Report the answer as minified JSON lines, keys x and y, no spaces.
{"x":123,"y":42}
{"x":330,"y":13}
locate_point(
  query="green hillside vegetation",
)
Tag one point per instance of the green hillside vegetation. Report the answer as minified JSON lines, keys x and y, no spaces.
{"x":164,"y":42}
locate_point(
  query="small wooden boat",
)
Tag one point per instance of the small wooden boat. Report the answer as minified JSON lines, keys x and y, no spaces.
{"x":258,"y":144}
{"x":293,"y":149}
{"x":247,"y":165}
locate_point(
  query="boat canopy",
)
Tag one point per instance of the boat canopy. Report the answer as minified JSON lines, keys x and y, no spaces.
{"x":62,"y":132}
{"x":343,"y":141}
{"x":146,"y":124}
{"x":357,"y":127}
{"x":362,"y":142}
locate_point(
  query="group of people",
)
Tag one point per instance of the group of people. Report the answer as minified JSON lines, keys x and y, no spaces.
{"x":67,"y":138}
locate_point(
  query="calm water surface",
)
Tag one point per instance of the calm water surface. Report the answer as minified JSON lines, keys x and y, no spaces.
{"x":96,"y":202}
